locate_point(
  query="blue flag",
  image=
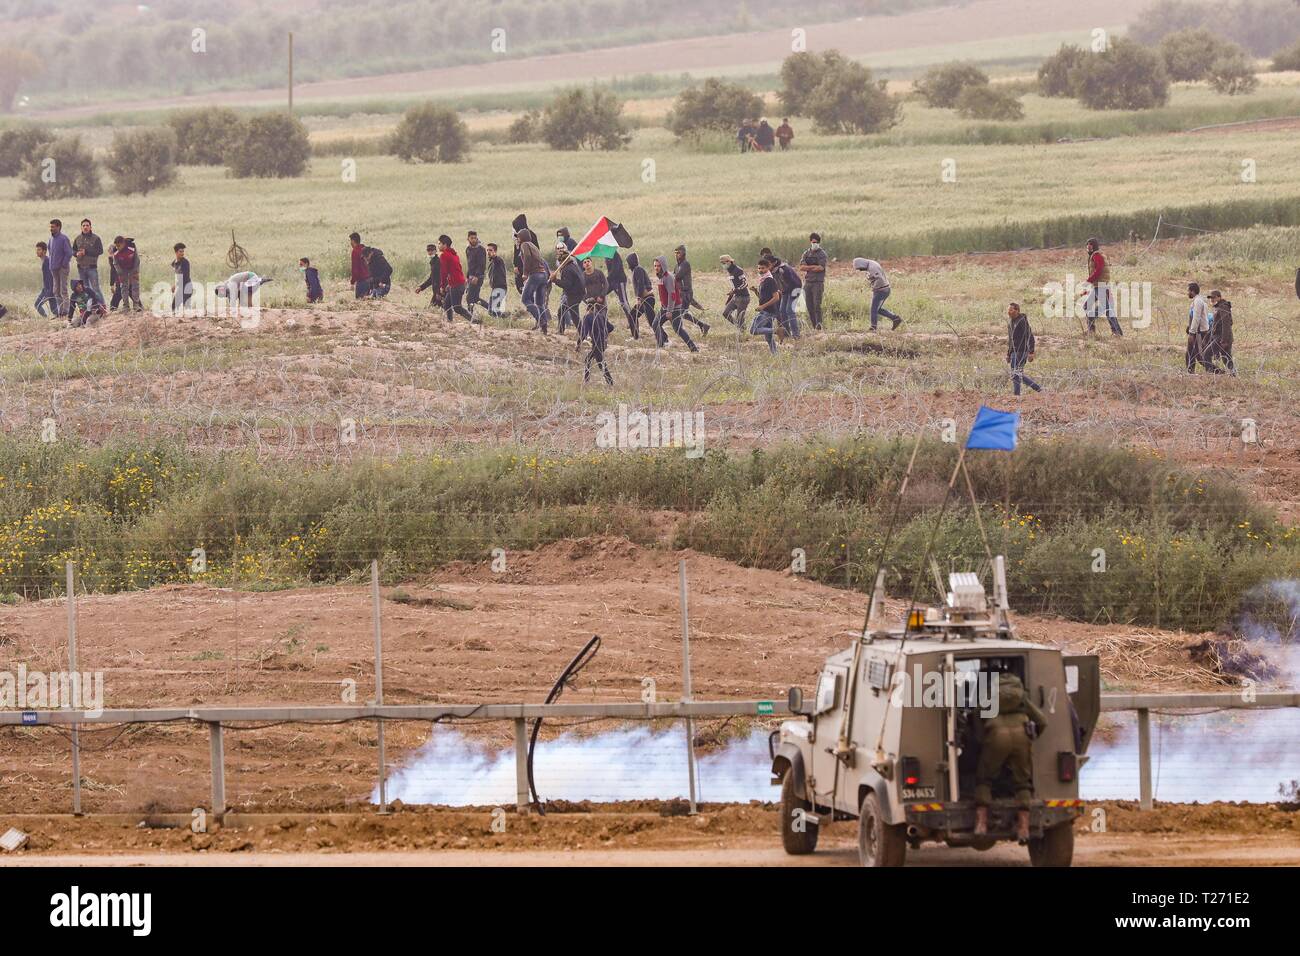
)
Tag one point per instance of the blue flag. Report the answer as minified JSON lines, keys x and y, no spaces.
{"x":994,"y":430}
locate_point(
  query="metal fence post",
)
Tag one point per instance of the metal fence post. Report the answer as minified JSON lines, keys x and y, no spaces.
{"x":72,"y":670}
{"x":379,"y":684}
{"x":217,"y":749}
{"x":521,"y":765}
{"x":1144,"y":758}
{"x":686,"y":681}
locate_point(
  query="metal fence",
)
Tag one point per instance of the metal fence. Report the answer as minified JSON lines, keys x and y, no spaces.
{"x":519,"y":714}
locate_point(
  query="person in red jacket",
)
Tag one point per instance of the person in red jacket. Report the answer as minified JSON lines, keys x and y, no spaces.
{"x":453,"y":279}
{"x":360,"y":271}
{"x":1099,"y":290}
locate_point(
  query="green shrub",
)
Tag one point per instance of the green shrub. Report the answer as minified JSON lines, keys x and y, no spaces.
{"x":1181,"y":547}
{"x":203,"y":136}
{"x":1188,"y":53}
{"x":20,"y":145}
{"x":1057,"y":76}
{"x":942,"y":85}
{"x":526,"y":128}
{"x":849,"y":100}
{"x":715,"y":106}
{"x":430,"y":133}
{"x":585,"y":119}
{"x":800,"y":74}
{"x":61,"y":169}
{"x":1128,"y":76}
{"x":270,"y":146}
{"x":1287,"y":59}
{"x":1233,"y":73}
{"x":989,"y":103}
{"x":143,"y":160}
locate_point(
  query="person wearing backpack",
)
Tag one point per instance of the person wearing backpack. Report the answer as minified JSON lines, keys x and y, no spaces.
{"x":125,"y":260}
{"x":379,"y":271}
{"x":1221,"y":331}
{"x":1021,"y":346}
{"x":791,"y":286}
{"x":1007,"y":741}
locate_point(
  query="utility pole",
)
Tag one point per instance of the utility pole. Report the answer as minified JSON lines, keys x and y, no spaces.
{"x":290,"y":73}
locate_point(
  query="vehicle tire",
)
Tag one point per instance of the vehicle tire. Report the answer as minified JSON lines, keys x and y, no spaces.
{"x":1055,"y":847}
{"x":794,"y":842}
{"x":879,"y":843}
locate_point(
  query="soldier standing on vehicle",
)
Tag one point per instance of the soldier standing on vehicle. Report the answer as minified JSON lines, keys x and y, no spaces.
{"x":1008,"y":742}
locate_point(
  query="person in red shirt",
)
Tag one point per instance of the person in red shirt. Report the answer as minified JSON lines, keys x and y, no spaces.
{"x":360,"y":271}
{"x":1099,"y":290}
{"x":453,"y":279}
{"x":670,"y":306}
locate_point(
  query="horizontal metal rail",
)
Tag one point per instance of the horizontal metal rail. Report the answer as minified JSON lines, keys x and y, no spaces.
{"x":215,"y":717}
{"x":629,"y":710}
{"x":1286,"y":698}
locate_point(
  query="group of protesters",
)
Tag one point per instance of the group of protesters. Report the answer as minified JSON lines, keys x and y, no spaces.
{"x":79,"y":297}
{"x":661,"y":294}
{"x":759,"y":136}
{"x":1209,"y":324}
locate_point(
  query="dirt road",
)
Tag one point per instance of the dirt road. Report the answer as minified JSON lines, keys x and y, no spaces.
{"x":966,"y":22}
{"x":1090,"y":850}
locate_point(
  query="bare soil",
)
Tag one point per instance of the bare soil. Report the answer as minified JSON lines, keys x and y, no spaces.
{"x":465,"y":635}
{"x":631,"y":834}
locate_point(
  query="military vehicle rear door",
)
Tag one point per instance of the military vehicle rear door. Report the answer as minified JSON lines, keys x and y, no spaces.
{"x":828,"y":711}
{"x":1083,"y":684}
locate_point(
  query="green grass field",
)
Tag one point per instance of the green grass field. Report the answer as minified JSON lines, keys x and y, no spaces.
{"x":868,"y":196}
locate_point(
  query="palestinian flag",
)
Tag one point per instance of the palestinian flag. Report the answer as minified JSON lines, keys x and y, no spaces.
{"x":602,"y":240}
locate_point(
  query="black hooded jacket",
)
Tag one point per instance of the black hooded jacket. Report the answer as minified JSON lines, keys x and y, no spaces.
{"x":641,"y":286}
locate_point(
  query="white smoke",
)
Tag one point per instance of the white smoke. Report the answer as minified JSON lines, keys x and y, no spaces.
{"x":1239,"y":755}
{"x":635,"y":763}
{"x":1267,"y":631}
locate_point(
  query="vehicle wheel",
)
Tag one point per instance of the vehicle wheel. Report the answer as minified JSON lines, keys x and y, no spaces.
{"x":879,"y":843}
{"x":795,"y":842}
{"x":1055,"y":847}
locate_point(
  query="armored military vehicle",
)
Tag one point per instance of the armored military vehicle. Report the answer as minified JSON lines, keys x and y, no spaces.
{"x":893,"y":733}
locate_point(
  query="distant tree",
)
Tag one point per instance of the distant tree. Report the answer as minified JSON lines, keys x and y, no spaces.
{"x":989,"y":103}
{"x":941,"y":85}
{"x":430,"y":133}
{"x":204,"y":135}
{"x":800,"y":74}
{"x":716,"y":105}
{"x":1128,"y":76}
{"x":1233,"y":72}
{"x":1058,"y":74}
{"x":62,"y":169}
{"x":272,"y":146}
{"x":1189,"y":53}
{"x":585,"y":119}
{"x":16,"y":67}
{"x":143,"y":160}
{"x":526,"y":128}
{"x":1261,"y":26}
{"x":849,"y":100}
{"x":1287,"y":59}
{"x":18,"y":146}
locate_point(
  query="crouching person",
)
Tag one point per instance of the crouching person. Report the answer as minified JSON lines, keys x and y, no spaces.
{"x":1008,"y":742}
